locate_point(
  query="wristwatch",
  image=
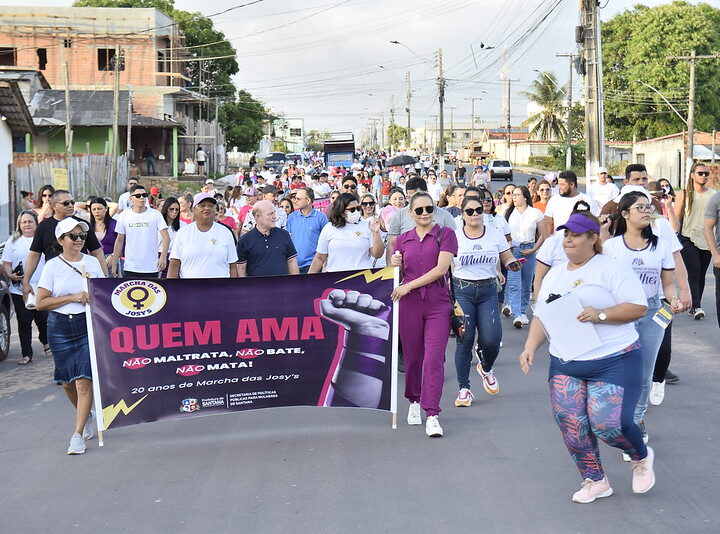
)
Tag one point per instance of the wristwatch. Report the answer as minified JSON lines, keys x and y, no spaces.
{"x":602,"y":316}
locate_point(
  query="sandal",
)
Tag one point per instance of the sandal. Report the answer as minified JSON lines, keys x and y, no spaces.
{"x":47,"y":349}
{"x":25,"y":360}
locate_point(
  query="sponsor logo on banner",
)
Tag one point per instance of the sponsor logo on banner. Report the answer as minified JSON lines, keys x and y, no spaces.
{"x":189,"y":405}
{"x":138,"y":298}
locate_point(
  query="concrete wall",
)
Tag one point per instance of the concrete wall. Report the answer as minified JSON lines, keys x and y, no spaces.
{"x":662,"y":157}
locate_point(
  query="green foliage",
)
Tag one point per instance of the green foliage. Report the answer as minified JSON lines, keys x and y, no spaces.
{"x":542,"y":162}
{"x":315,"y":140}
{"x":549,"y":124}
{"x":242,"y":121}
{"x":396,"y":134}
{"x":279,"y":146}
{"x":577,"y":155}
{"x":198,"y":30}
{"x":617,"y":168}
{"x":636,"y":44}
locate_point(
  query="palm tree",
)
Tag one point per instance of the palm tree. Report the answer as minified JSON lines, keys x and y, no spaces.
{"x":549,"y":123}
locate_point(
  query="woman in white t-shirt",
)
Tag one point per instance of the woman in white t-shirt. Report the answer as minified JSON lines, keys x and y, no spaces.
{"x":347,"y":242}
{"x":528,"y":231}
{"x":14,"y":257}
{"x":475,"y":271}
{"x":61,"y":291}
{"x":594,"y":394}
{"x":652,"y":261}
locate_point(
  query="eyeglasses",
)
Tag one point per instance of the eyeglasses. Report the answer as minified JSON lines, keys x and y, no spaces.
{"x":140,"y":195}
{"x":367,"y":204}
{"x":644,"y":208}
{"x":300,"y":198}
{"x":473,"y":211}
{"x":67,"y":203}
{"x":75,"y":237}
{"x":487,"y":200}
{"x":703,"y":173}
{"x":424,"y":209}
{"x":349,"y":186}
{"x":544,"y":190}
{"x":352,"y":210}
{"x":47,"y":195}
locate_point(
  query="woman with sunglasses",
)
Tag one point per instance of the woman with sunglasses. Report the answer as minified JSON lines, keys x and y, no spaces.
{"x":61,"y":291}
{"x":368,"y":204}
{"x":14,"y":257}
{"x":528,"y":231}
{"x":171,"y":214}
{"x":475,"y":269}
{"x":424,"y":255}
{"x":638,"y":247}
{"x":543,"y":194}
{"x":505,"y":200}
{"x":43,"y":203}
{"x":347,"y":242}
{"x":104,"y":226}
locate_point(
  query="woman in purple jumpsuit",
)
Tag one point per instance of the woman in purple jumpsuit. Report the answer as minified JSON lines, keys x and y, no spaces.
{"x":424,"y":254}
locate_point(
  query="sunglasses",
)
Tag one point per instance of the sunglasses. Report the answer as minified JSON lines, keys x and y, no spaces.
{"x":424,"y":209}
{"x":352,"y":210}
{"x":47,"y":195}
{"x":543,"y":190}
{"x":75,"y":237}
{"x":67,"y":203}
{"x":368,"y":204}
{"x":703,"y":173}
{"x":473,"y":211}
{"x":349,"y":186}
{"x":488,"y":200}
{"x":140,"y":195}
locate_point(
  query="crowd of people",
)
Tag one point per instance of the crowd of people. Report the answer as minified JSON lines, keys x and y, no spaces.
{"x":624,"y":254}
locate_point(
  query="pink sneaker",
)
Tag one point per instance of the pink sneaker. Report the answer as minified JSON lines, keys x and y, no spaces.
{"x":490,"y":383}
{"x":592,"y":490}
{"x":643,"y":473}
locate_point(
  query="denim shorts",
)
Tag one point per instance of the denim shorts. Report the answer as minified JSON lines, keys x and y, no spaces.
{"x":68,"y":339}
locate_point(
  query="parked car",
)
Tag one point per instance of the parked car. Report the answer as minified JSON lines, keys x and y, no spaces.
{"x":5,"y":308}
{"x":275,"y":159}
{"x":291,"y":158}
{"x":500,"y":169}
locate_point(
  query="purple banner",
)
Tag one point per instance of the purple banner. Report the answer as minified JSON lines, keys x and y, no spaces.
{"x":167,"y":349}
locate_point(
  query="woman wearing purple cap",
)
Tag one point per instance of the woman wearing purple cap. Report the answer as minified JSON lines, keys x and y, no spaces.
{"x":594,"y":394}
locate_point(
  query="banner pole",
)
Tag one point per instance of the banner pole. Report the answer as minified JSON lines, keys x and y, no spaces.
{"x":395,"y":348}
{"x":97,"y":400}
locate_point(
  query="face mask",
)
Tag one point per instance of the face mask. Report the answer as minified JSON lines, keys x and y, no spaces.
{"x":666,"y":189}
{"x":353,"y":217}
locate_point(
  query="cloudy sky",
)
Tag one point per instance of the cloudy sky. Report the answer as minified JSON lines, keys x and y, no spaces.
{"x":331,"y":61}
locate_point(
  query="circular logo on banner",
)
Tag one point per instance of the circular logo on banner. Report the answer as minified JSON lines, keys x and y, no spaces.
{"x":138,"y":298}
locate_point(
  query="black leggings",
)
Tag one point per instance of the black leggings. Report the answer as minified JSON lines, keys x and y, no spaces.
{"x":25,"y":320}
{"x":697,"y":262}
{"x":662,"y":363}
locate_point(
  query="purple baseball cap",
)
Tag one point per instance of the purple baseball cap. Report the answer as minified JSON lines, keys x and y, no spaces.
{"x":579,"y":224}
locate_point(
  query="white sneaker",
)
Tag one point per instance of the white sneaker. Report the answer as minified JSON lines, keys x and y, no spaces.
{"x":432,"y":427}
{"x":657,"y":393}
{"x":413,"y":417}
{"x":524,"y":319}
{"x":517,"y":322}
{"x":698,"y":313}
{"x":626,"y":457}
{"x":506,"y":311}
{"x":89,"y":428}
{"x":464,"y":398}
{"x":77,"y":444}
{"x":490,"y":383}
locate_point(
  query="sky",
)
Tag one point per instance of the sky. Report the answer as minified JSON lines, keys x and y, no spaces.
{"x":331,"y":62}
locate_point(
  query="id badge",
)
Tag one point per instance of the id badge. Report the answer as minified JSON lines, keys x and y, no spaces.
{"x":664,"y":315}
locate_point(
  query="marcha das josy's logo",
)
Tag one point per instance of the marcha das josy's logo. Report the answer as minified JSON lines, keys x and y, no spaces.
{"x":138,"y":298}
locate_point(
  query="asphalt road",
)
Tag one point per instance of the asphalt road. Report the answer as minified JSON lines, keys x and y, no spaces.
{"x":501,"y":466}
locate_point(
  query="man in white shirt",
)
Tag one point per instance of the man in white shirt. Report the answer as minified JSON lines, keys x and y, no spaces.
{"x":604,"y":190}
{"x":560,"y":206}
{"x":270,"y":193}
{"x":137,"y":232}
{"x":433,"y":187}
{"x":124,"y":199}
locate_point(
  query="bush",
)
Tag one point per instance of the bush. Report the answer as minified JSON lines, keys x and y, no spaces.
{"x":542,"y":162}
{"x":617,"y":168}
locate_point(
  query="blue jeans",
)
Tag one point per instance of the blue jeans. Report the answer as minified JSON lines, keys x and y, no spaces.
{"x":651,"y":336}
{"x":519,"y":283}
{"x":480,"y":305}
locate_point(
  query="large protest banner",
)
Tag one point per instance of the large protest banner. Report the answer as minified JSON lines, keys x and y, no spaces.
{"x":167,"y":349}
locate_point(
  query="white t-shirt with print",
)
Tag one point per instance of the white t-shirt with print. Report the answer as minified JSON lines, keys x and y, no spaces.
{"x":347,"y":248}
{"x":601,"y":283}
{"x":560,"y":207}
{"x":523,"y":225}
{"x":496,"y":222}
{"x":204,"y":254}
{"x":60,"y":279}
{"x":647,"y":263}
{"x":17,"y":252}
{"x":141,"y":230}
{"x":477,"y":258}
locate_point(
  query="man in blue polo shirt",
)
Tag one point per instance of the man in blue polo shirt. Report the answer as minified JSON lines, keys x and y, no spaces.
{"x":304,"y":225}
{"x":266,"y":250}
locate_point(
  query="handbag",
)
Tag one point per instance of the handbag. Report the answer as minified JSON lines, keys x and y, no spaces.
{"x":458,"y":321}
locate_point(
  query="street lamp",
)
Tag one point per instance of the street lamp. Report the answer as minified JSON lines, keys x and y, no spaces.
{"x":665,"y":99}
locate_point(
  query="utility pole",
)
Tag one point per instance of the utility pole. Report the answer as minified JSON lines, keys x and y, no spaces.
{"x":68,"y":126}
{"x":441,"y":101}
{"x":116,"y":116}
{"x":472,"y":122}
{"x":568,"y":154}
{"x":712,"y":160}
{"x":129,"y":121}
{"x":452,"y":127}
{"x":407,"y":109}
{"x":509,"y":133}
{"x":382,"y":130}
{"x":589,"y":38}
{"x":693,"y":58}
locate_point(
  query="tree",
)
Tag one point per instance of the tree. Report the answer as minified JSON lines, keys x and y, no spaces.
{"x":201,"y":40}
{"x":548,"y":124}
{"x":316,"y":139}
{"x":279,"y":146}
{"x":242,"y":121}
{"x":395,"y":135}
{"x":636,"y":44}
